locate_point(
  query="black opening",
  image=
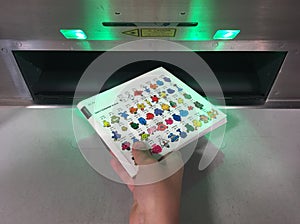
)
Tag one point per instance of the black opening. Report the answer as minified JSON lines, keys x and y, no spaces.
{"x":245,"y":77}
{"x":151,"y":24}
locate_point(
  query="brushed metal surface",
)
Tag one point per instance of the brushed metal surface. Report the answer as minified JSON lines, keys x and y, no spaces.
{"x":42,"y":19}
{"x":7,"y":87}
{"x":265,"y":26}
{"x":254,"y":178}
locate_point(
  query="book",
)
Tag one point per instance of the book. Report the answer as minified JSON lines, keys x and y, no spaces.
{"x":157,"y":108}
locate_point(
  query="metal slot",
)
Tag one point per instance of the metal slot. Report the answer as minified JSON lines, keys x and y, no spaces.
{"x":150,"y":24}
{"x":245,"y":77}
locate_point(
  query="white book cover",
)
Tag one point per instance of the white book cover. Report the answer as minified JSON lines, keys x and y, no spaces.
{"x":156,"y":108}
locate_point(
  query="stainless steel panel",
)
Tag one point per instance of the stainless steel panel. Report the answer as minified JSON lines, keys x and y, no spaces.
{"x":42,"y":19}
{"x":285,"y":89}
{"x":254,"y":178}
{"x":265,"y":25}
{"x":287,"y":84}
{"x":7,"y":87}
{"x":13,"y":90}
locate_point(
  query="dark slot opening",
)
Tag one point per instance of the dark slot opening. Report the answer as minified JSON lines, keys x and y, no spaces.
{"x":151,"y":24}
{"x":245,"y":77}
{"x":187,"y":24}
{"x":118,"y":24}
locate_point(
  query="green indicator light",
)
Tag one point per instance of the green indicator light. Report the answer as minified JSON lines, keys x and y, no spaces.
{"x":226,"y":34}
{"x":73,"y":34}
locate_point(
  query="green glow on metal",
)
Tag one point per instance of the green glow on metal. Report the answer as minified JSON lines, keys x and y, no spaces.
{"x":201,"y":12}
{"x":94,"y":15}
{"x":226,"y":34}
{"x":73,"y":34}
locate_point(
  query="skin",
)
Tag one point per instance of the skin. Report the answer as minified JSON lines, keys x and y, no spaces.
{"x":152,"y":203}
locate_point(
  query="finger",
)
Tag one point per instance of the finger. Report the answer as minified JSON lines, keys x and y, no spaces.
{"x":141,"y":154}
{"x":171,"y":168}
{"x":118,"y":168}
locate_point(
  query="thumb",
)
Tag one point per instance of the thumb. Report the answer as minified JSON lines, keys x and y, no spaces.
{"x":141,"y":154}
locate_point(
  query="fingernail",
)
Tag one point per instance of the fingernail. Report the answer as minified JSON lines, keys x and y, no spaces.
{"x":140,"y":146}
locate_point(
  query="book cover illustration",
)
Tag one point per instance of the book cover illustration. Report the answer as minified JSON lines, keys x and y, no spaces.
{"x":156,"y":108}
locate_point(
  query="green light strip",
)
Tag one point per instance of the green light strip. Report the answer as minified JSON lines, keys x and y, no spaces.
{"x":75,"y":34}
{"x":226,"y":34}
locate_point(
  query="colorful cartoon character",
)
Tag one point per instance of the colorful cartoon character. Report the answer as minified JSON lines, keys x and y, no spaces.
{"x":187,"y":96}
{"x":161,"y":126}
{"x":124,"y":115}
{"x":170,"y":91}
{"x":183,"y":113}
{"x":125,"y":146}
{"x":137,"y":92}
{"x":116,"y":135}
{"x":144,"y":136}
{"x":165,"y":107}
{"x":149,"y":116}
{"x":148,"y":102}
{"x":182,"y":134}
{"x":190,"y":107}
{"x":204,"y":118}
{"x":178,"y":88}
{"x":158,"y":111}
{"x":141,"y":106}
{"x":159,"y":82}
{"x":167,"y":79}
{"x":173,"y":137}
{"x":154,"y":99}
{"x":176,"y":117}
{"x":115,"y":119}
{"x":169,"y":121}
{"x":147,"y":90}
{"x":198,"y":105}
{"x":133,"y":110}
{"x":155,"y":149}
{"x":106,"y":124}
{"x":124,"y":128}
{"x":134,"y":125}
{"x":212,"y":114}
{"x":142,"y":121}
{"x":180,"y":100}
{"x":151,"y":130}
{"x":163,"y":94}
{"x":189,"y":128}
{"x":164,"y":143}
{"x":197,"y":124}
{"x":134,"y":139}
{"x":173,"y":104}
{"x":153,"y":86}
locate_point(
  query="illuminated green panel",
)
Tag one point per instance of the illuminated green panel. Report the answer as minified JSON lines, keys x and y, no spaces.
{"x":73,"y":34}
{"x":201,"y":12}
{"x":226,"y":34}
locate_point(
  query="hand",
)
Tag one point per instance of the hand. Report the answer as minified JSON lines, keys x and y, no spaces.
{"x":155,"y":202}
